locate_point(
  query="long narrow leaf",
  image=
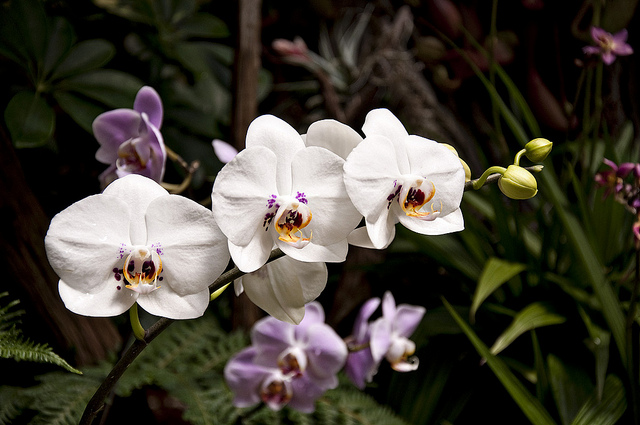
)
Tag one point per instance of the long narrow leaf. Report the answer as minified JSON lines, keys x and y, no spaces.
{"x":531,"y":317}
{"x":530,"y":406}
{"x":606,"y":411}
{"x":496,"y":272}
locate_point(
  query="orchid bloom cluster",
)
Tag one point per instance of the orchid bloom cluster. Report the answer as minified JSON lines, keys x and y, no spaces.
{"x":294,"y":365}
{"x":302,"y":194}
{"x":623,"y":183}
{"x":608,"y":45}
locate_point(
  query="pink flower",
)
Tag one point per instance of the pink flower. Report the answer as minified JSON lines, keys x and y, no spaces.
{"x":608,"y":45}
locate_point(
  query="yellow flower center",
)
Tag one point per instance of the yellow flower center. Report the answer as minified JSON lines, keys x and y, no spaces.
{"x":142,"y":269}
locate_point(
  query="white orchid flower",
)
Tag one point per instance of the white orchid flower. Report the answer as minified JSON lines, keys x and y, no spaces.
{"x":281,"y":292}
{"x":136,"y":243}
{"x":279,"y":192}
{"x":393,"y":177}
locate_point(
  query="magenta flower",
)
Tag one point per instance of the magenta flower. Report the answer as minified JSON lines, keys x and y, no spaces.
{"x":608,"y":45}
{"x":287,"y":364}
{"x":361,"y":367}
{"x":613,"y":179}
{"x":130,"y":139}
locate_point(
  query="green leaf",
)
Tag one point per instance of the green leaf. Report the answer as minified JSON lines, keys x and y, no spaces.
{"x":496,"y":272}
{"x":82,"y":111}
{"x":202,"y":25}
{"x":30,"y":120}
{"x":530,"y":406}
{"x":115,"y":89}
{"x":85,"y":56}
{"x":605,"y":411}
{"x":61,"y":39}
{"x":531,"y":317}
{"x":570,"y":387}
{"x":14,"y":346}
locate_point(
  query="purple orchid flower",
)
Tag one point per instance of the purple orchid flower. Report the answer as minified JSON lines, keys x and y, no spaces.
{"x":287,"y":364}
{"x":608,"y":45}
{"x":390,"y":333}
{"x":252,"y":383}
{"x":311,"y":349}
{"x":130,"y":139}
{"x":612,"y":179}
{"x":361,"y":367}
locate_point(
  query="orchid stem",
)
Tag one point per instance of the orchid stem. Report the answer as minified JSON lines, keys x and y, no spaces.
{"x":138,"y":330}
{"x":478,"y":183}
{"x":516,"y":160}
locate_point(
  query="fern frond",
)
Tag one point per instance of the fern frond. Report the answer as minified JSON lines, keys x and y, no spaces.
{"x":8,"y":319}
{"x":14,"y":346}
{"x":60,"y":399}
{"x":13,"y":402}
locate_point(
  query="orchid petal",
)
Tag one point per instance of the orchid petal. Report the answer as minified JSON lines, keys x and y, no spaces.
{"x":407,"y":319}
{"x":194,"y":251}
{"x":165,"y":302}
{"x":382,"y":231}
{"x":360,"y":326}
{"x":254,"y":255}
{"x":382,"y":122}
{"x":270,"y":332}
{"x":318,"y":173}
{"x":111,"y":129}
{"x":312,"y":253}
{"x":84,"y":243}
{"x":327,"y":352}
{"x":380,"y":340}
{"x":156,"y":143}
{"x":223,"y":150}
{"x":282,"y":139}
{"x":105,"y":300}
{"x":370,"y":176}
{"x":279,"y":294}
{"x":240,"y":194}
{"x":305,"y":393}
{"x":388,"y":307}
{"x":452,"y":222}
{"x":333,"y":135}
{"x":361,"y":367}
{"x":244,"y":378}
{"x":360,"y":237}
{"x":140,"y":191}
{"x":148,"y":101}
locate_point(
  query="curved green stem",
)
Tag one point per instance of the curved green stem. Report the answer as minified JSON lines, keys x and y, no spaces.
{"x":138,"y":330}
{"x":477,"y":184}
{"x":516,"y":160}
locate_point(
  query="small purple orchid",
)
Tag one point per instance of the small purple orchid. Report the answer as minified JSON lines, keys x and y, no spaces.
{"x":608,"y":45}
{"x":613,"y":179}
{"x":387,"y":337}
{"x":361,"y":367}
{"x":287,"y":364}
{"x":130,"y":139}
{"x":390,"y":333}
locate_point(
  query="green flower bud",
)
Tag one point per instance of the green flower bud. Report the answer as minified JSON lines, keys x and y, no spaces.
{"x":538,"y":149}
{"x":518,"y":183}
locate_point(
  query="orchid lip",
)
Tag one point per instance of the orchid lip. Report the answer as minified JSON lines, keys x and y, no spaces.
{"x":292,"y":216}
{"x":292,"y":362}
{"x":276,"y":391}
{"x":142,"y":269}
{"x":413,"y":194}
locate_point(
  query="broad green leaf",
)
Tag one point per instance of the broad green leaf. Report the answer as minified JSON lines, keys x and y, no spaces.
{"x":85,"y":56}
{"x":530,"y":406}
{"x":605,"y":411}
{"x":116,"y":89}
{"x":61,"y":39}
{"x":531,"y":317}
{"x":202,"y":25}
{"x":30,"y":120}
{"x":570,"y":386}
{"x":82,"y":111}
{"x":496,"y":272}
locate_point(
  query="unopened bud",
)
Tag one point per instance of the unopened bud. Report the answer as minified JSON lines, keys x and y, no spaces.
{"x":538,"y":149}
{"x":518,"y":183}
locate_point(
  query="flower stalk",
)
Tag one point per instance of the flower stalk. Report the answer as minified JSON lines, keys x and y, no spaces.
{"x":136,"y":326}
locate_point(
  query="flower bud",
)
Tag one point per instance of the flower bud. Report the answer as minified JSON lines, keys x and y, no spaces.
{"x":538,"y":149}
{"x":518,"y":183}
